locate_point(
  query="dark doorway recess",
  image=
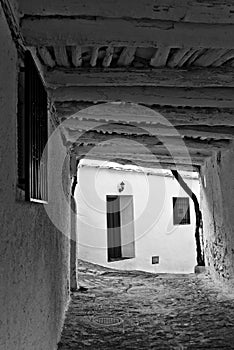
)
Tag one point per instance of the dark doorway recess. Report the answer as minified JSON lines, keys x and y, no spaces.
{"x":120,"y":228}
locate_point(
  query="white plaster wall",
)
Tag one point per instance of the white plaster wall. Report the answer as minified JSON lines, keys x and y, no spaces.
{"x":217,"y":203}
{"x":34,"y":254}
{"x":155,"y":233}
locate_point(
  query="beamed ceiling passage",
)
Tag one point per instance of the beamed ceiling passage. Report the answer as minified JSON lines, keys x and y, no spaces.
{"x":176,"y":58}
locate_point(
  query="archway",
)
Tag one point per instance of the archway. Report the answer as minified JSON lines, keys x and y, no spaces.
{"x":147,"y":139}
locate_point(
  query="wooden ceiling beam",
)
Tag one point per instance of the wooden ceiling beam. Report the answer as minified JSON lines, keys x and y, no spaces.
{"x":152,"y":142}
{"x":102,"y":153}
{"x":93,"y":31}
{"x":195,"y":77}
{"x":174,"y":115}
{"x":186,"y":11}
{"x":193,"y":97}
{"x":141,"y":150}
{"x":201,"y":131}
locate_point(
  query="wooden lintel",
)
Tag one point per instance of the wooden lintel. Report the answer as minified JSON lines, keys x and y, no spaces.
{"x":221,"y":11}
{"x":93,"y":31}
{"x":196,"y":77}
{"x":150,"y":158}
{"x":145,"y":164}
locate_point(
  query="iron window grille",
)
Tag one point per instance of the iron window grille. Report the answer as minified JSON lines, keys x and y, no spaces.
{"x":33,"y":134}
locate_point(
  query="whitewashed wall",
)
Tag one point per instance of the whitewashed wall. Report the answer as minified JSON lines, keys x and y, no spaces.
{"x":34,"y":254}
{"x":155,"y":234}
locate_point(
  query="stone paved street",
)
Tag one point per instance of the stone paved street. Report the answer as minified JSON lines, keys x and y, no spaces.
{"x":138,"y":310}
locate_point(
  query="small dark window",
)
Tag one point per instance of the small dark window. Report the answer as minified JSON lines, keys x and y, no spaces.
{"x":181,"y":211}
{"x":32,"y":133}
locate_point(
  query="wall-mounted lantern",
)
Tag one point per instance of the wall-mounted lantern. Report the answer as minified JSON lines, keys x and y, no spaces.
{"x":121,"y":186}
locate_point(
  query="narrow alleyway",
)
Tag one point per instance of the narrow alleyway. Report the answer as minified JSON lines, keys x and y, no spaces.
{"x":138,"y":310}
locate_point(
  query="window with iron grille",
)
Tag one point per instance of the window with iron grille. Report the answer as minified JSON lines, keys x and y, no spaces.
{"x":32,"y":133}
{"x":181,"y":211}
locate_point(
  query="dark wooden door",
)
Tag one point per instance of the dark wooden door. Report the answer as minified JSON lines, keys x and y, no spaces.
{"x":113,"y":228}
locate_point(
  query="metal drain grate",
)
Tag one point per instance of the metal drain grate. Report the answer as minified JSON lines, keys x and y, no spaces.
{"x":107,"y":320}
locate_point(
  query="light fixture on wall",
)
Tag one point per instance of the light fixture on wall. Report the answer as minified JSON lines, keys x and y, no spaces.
{"x":121,"y":186}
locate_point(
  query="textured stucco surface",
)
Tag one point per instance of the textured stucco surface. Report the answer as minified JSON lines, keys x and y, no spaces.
{"x":34,"y":255}
{"x":217,"y":203}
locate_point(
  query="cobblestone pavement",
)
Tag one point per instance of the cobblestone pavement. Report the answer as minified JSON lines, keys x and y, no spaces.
{"x":138,"y":310}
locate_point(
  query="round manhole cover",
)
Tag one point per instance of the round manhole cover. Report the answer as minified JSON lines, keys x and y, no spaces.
{"x":107,"y":320}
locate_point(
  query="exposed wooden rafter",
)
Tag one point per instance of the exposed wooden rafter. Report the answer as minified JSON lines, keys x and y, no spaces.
{"x":61,"y":56}
{"x":139,"y":158}
{"x":177,"y":57}
{"x":194,"y":97}
{"x":201,"y":131}
{"x":116,"y":51}
{"x":197,"y":53}
{"x":224,"y":58}
{"x":209,"y":57}
{"x":94,"y":56}
{"x":162,"y":164}
{"x":160,"y":57}
{"x":143,"y":159}
{"x":174,"y":115}
{"x":185,"y":11}
{"x":196,"y":77}
{"x":187,"y":56}
{"x":94,"y":31}
{"x":127,"y":56}
{"x":154,"y":142}
{"x":76,"y":55}
{"x":46,"y":57}
{"x":108,"y":57}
